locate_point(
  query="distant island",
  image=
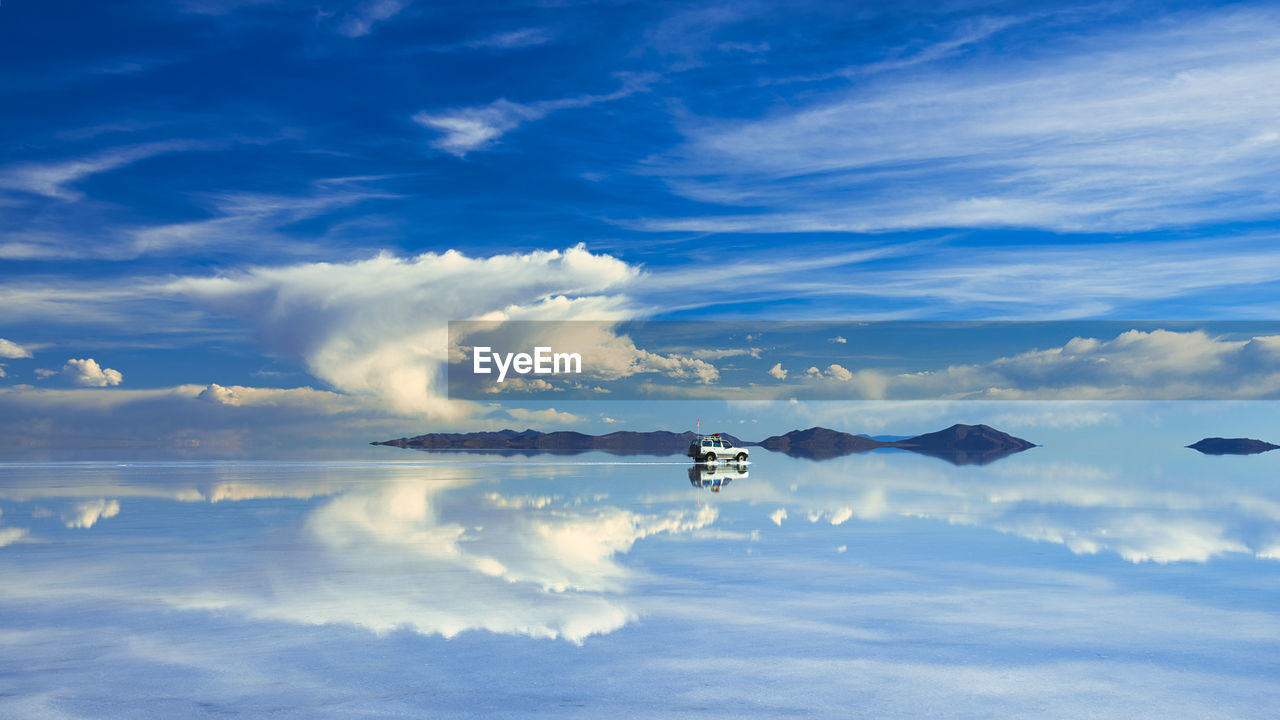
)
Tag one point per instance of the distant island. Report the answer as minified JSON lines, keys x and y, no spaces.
{"x":1232,"y":446}
{"x":659,"y":442}
{"x":958,"y":444}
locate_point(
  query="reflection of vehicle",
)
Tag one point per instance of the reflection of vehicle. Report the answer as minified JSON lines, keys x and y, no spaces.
{"x":709,"y":448}
{"x":715,"y":477}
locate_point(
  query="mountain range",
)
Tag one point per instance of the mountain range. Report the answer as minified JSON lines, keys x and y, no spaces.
{"x":958,"y":444}
{"x":660,"y":442}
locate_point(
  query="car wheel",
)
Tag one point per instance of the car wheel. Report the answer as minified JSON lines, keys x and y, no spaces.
{"x":742,"y":457}
{"x":711,"y":457}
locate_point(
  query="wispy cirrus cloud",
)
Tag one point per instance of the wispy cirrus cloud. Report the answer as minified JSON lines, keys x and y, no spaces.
{"x":219,"y":7}
{"x":361,"y":20}
{"x":465,"y":130}
{"x":971,"y":33}
{"x":508,"y":40}
{"x":1215,"y":277}
{"x":513,"y":39}
{"x":1124,"y":130}
{"x":237,"y":223}
{"x":56,"y":178}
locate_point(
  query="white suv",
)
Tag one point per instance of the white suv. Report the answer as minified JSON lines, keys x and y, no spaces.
{"x":709,"y":448}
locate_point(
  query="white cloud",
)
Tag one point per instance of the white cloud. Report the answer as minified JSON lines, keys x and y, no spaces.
{"x":523,"y":565}
{"x":315,"y":401}
{"x":76,"y":303}
{"x":1135,"y":365}
{"x":973,"y":32}
{"x":218,"y":395}
{"x":1172,"y":511}
{"x":258,"y":422}
{"x":510,"y":40}
{"x":244,"y":221}
{"x":369,"y":13}
{"x":11,"y":535}
{"x":523,"y":385}
{"x":839,"y":372}
{"x":516,"y":567}
{"x":778,"y":371}
{"x":838,"y":339}
{"x":1117,"y":131}
{"x":364,"y":326}
{"x":719,"y":353}
{"x":545,"y":417}
{"x":86,"y":372}
{"x":218,"y":7}
{"x":244,"y":224}
{"x":361,"y":326}
{"x":475,"y":128}
{"x":833,"y":371}
{"x":12,"y":350}
{"x":538,"y":501}
{"x":54,"y":179}
{"x":777,"y":516}
{"x":942,"y":279}
{"x":86,"y":514}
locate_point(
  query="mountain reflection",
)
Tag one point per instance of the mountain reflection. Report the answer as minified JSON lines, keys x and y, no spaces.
{"x":541,"y":549}
{"x":955,"y":456}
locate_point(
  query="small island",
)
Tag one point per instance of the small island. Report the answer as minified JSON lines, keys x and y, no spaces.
{"x":958,"y":444}
{"x":659,"y":442}
{"x":1232,"y":446}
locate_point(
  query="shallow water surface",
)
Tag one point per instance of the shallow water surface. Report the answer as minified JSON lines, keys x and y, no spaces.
{"x":1047,"y":584}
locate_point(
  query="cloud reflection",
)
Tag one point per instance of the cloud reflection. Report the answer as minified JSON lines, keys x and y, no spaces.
{"x":87,"y":514}
{"x":417,"y":555}
{"x":1140,"y":516}
{"x":435,"y":551}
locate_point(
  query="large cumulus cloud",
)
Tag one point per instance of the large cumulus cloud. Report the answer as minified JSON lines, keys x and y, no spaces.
{"x":378,"y":326}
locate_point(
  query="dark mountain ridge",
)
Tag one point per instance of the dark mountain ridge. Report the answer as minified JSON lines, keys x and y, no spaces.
{"x":623,"y":442}
{"x":1232,"y":446}
{"x":959,"y":444}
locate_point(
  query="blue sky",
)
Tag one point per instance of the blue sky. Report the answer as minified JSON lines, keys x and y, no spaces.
{"x":233,"y":217}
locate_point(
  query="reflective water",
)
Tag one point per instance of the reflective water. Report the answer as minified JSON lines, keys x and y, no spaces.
{"x":1048,"y":584}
